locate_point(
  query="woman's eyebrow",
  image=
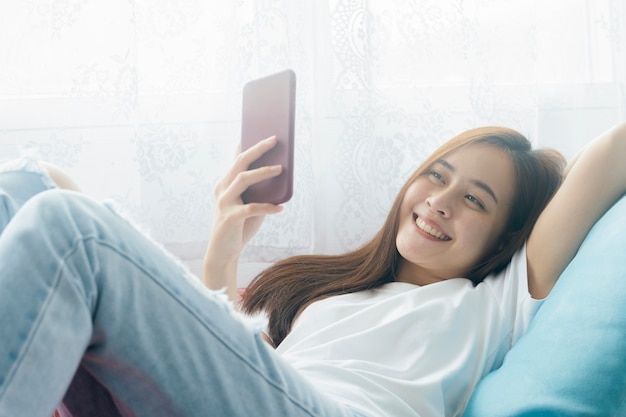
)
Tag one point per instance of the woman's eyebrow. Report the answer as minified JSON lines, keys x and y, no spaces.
{"x":478,"y":183}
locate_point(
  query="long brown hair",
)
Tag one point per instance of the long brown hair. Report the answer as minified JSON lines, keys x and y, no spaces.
{"x":286,"y":287}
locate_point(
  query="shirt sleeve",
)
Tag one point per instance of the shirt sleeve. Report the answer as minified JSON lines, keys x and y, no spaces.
{"x":510,"y":287}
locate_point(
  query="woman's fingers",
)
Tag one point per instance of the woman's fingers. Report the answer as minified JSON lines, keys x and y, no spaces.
{"x":231,"y":187}
{"x":254,"y":152}
{"x":229,"y":200}
{"x":230,"y":191}
{"x":244,"y":159}
{"x":247,"y":178}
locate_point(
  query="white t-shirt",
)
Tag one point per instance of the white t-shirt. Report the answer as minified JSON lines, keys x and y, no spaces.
{"x":403,"y":350}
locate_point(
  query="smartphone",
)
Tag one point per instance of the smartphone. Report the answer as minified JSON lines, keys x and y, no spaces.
{"x":268,"y":109}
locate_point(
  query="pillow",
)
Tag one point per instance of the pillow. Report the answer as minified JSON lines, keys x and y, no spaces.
{"x":572,"y":360}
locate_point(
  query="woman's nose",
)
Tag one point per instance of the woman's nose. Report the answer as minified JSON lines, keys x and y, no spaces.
{"x":440,"y":203}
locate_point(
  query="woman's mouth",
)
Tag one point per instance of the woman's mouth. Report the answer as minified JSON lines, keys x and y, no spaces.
{"x":430,"y":230}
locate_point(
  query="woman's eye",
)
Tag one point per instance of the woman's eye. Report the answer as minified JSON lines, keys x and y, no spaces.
{"x":437,"y":176}
{"x":475,"y":201}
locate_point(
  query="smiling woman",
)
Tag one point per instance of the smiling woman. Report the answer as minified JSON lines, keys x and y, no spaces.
{"x":453,"y":207}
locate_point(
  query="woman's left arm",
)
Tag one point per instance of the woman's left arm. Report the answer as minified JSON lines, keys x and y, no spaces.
{"x":594,"y":180}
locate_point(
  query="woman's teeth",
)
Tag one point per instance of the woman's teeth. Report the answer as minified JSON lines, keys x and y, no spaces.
{"x":433,"y":232}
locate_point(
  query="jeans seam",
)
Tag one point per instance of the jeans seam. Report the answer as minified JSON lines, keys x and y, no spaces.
{"x":32,"y":334}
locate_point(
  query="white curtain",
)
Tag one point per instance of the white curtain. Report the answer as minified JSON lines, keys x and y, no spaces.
{"x":140,"y":99}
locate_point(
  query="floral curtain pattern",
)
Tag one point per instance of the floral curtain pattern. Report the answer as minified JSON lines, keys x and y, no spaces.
{"x":140,"y":100}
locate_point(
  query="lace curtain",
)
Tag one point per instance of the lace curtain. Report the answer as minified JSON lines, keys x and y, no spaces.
{"x":140,"y":100}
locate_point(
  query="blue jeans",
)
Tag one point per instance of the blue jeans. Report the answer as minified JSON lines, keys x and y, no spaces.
{"x":88,"y":302}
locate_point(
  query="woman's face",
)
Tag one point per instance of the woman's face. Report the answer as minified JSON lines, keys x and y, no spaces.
{"x":454,"y":214}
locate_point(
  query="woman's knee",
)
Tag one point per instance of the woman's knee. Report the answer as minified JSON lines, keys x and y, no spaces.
{"x":55,"y":208}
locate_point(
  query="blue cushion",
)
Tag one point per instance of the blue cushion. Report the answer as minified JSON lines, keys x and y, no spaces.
{"x":572,"y":360}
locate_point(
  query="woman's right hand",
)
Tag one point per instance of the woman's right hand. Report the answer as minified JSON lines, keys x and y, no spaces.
{"x":235,"y":223}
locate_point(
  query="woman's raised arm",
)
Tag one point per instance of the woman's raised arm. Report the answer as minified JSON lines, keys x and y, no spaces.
{"x":594,"y":180}
{"x":234,"y":222}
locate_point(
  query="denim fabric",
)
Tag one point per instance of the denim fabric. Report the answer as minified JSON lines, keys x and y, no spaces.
{"x":19,"y":181}
{"x":86,"y":297}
